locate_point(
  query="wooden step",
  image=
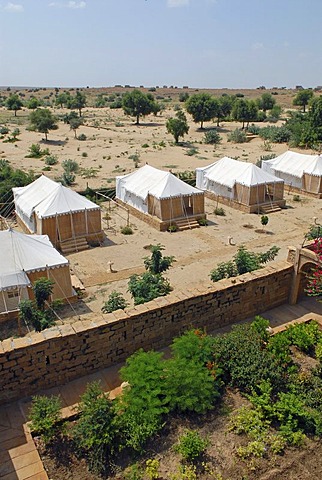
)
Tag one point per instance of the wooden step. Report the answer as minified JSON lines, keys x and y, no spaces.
{"x":74,"y":245}
{"x":186,"y":224}
{"x":270,"y":208}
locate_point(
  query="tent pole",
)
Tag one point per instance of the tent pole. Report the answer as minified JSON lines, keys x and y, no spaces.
{"x":86,"y":221}
{"x":4,"y":302}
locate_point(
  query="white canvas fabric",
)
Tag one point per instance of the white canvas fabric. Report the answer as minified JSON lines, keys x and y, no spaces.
{"x":226,"y":172}
{"x":135,"y":187}
{"x":21,"y":253}
{"x":292,"y":165}
{"x":47,"y":199}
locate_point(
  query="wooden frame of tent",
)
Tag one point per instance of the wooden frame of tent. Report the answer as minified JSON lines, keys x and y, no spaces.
{"x":252,"y":199}
{"x":312,"y":185}
{"x":165,"y":212}
{"x":62,"y":289}
{"x":69,"y":227}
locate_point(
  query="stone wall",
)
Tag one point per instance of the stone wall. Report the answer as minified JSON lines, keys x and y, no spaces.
{"x":60,"y":354}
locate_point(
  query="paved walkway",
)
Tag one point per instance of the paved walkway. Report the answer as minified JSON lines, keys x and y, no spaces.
{"x":19,"y":459}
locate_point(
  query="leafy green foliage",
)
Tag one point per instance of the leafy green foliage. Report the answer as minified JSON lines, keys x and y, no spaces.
{"x":127,"y":230}
{"x":191,"y":445}
{"x":237,"y":136}
{"x":152,"y":469}
{"x":14,"y":103}
{"x":51,"y":160}
{"x":243,"y":262}
{"x":43,"y":120}
{"x":148,"y":286}
{"x":275,"y":134}
{"x":158,"y":263}
{"x":212,"y":137}
{"x":177,"y":126}
{"x":138,"y":104}
{"x":203,"y":107}
{"x":43,"y":288}
{"x":244,"y":361}
{"x":304,"y":335}
{"x":193,"y":345}
{"x":115,"y":301}
{"x":45,"y":415}
{"x":36,"y":152}
{"x":302,"y":98}
{"x":264,"y":220}
{"x":96,"y":430}
{"x":190,"y":386}
{"x":70,"y":166}
{"x":143,"y":403}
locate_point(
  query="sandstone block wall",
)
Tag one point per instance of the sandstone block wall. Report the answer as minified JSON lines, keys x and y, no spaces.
{"x":60,"y":354}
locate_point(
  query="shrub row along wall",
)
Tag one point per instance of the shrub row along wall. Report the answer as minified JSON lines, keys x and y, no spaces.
{"x":60,"y":354}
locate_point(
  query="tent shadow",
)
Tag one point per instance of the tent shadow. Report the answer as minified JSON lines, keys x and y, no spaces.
{"x":59,"y":143}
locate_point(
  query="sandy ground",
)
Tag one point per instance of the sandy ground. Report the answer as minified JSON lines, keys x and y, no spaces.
{"x":106,"y":152}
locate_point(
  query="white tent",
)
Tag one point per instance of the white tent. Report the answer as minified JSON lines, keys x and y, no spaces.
{"x":47,"y":198}
{"x":228,"y":177}
{"x":45,"y":206}
{"x":135,"y":187}
{"x":297,"y":169}
{"x":23,"y":258}
{"x":161,"y":195}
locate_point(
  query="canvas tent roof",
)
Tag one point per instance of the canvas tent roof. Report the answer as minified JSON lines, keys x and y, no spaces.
{"x":149,"y":180}
{"x":228,"y":171}
{"x":21,"y":253}
{"x":48,"y":198}
{"x":296,"y":164}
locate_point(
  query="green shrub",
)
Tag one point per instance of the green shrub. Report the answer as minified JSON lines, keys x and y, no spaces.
{"x":4,"y":130}
{"x":142,"y":406}
{"x":115,"y":301}
{"x":296,"y":198}
{"x":203,"y":222}
{"x":152,"y":469}
{"x":191,"y":386}
{"x":148,"y":286}
{"x":84,"y":154}
{"x":96,"y":430}
{"x":82,"y":137}
{"x":70,"y":166}
{"x":220,"y":212}
{"x":127,"y":230}
{"x":275,"y":134}
{"x":256,"y":448}
{"x":191,"y":445}
{"x":304,"y":335}
{"x":212,"y":137}
{"x":191,"y":151}
{"x":172,"y":228}
{"x":51,"y":160}
{"x":36,"y":152}
{"x":237,"y":136}
{"x":68,"y":178}
{"x":254,"y":129}
{"x":249,"y":421}
{"x":45,"y":416}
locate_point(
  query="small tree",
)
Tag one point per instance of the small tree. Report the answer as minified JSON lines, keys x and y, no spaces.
{"x":266,"y":102}
{"x":203,"y":107}
{"x":138,"y":104}
{"x":75,"y":123}
{"x":264,"y":220}
{"x":178,"y":126}
{"x":303,"y":98}
{"x":43,"y":120}
{"x":14,"y":103}
{"x":78,"y":102}
{"x":157,"y":263}
{"x":43,"y":288}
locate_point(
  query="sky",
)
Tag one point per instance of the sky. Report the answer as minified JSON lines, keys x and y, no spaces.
{"x":198,"y":43}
